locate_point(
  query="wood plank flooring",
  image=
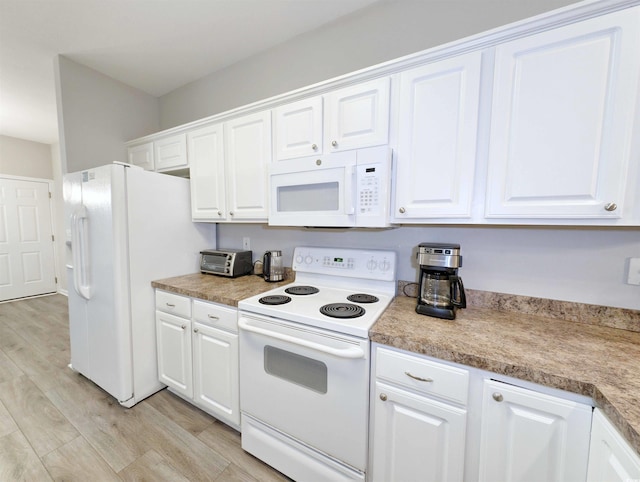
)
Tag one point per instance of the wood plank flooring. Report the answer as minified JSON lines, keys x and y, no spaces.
{"x":57,"y":425}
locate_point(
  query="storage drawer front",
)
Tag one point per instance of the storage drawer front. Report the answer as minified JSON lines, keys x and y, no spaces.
{"x":217,"y":316}
{"x":174,"y":304}
{"x":441,"y":380}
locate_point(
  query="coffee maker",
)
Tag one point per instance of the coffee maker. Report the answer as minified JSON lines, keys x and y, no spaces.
{"x":441,"y":290}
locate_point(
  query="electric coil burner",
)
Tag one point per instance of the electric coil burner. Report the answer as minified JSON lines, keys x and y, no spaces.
{"x":302,"y":290}
{"x":363,"y":298}
{"x":342,"y":310}
{"x":274,"y":300}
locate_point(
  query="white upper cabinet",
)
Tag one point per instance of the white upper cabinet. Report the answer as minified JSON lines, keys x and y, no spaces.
{"x":248,"y":153}
{"x":206,"y":160}
{"x":350,"y":118}
{"x":298,"y":129}
{"x":141,"y":155}
{"x":357,"y":116}
{"x":170,"y":152}
{"x":562,"y":119}
{"x":437,"y":128}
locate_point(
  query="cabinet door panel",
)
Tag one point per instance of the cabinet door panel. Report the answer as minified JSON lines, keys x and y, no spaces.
{"x":357,"y":116}
{"x":142,"y":156}
{"x":170,"y":152}
{"x":215,"y":359}
{"x":206,"y":161}
{"x":298,"y":129}
{"x":173,"y":336}
{"x":529,"y":436}
{"x":610,"y":457}
{"x":561,"y":120}
{"x":416,"y":438}
{"x":248,"y":142}
{"x":438,"y":125}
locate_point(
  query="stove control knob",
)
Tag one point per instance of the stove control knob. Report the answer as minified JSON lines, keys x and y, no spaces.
{"x":299,"y":259}
{"x":372,"y":264}
{"x":308,"y":259}
{"x":385,"y":265}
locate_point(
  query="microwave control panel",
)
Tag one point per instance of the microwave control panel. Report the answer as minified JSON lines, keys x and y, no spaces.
{"x":372,"y":184}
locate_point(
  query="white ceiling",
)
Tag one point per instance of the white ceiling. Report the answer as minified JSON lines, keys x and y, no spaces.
{"x":154,"y":45}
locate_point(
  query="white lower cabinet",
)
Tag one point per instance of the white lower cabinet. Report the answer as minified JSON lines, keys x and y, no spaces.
{"x":417,"y":434}
{"x":610,"y":457}
{"x":531,"y":436}
{"x":198,"y":356}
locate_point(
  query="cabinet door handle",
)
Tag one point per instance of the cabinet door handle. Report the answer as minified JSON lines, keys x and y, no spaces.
{"x":498,"y":397}
{"x":420,"y":379}
{"x":334,"y":143}
{"x":383,"y":397}
{"x":170,"y":305}
{"x":213,"y":317}
{"x":610,"y":207}
{"x":183,"y":326}
{"x":402,"y":210}
{"x":314,"y":147}
{"x":195,"y":330}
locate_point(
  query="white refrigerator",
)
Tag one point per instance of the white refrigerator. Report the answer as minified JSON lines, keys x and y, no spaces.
{"x":125,"y":227}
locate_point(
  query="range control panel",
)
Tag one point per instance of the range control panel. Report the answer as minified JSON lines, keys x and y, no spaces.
{"x":354,"y":263}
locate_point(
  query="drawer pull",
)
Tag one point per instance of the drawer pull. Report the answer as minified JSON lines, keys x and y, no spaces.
{"x":213,"y":317}
{"x":420,"y":379}
{"x":170,"y":305}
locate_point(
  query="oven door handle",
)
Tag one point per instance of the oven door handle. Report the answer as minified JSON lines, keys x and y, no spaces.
{"x":351,"y":352}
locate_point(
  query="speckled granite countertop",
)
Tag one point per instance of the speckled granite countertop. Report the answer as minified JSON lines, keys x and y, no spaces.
{"x":597,"y":361}
{"x":219,"y":289}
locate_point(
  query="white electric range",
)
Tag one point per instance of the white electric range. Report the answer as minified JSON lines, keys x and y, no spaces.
{"x":304,"y":363}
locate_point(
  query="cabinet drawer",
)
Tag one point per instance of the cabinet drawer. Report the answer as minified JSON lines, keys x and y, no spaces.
{"x":175,"y":304}
{"x":422,"y":375}
{"x":215,"y":315}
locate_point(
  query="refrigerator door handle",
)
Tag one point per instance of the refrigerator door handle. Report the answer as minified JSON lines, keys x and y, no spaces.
{"x":79,"y":250}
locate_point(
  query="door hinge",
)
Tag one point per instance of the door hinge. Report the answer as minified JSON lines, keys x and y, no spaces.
{"x":49,"y":194}
{"x":53,"y":238}
{"x":56,"y":278}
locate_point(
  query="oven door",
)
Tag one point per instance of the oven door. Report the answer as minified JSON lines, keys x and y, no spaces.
{"x":313,"y":191}
{"x":309,"y":384}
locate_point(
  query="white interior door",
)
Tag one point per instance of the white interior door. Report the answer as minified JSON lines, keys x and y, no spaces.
{"x":26,"y":240}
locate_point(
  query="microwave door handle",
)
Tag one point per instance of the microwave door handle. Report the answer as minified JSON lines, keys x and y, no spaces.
{"x":352,"y":192}
{"x":351,"y":352}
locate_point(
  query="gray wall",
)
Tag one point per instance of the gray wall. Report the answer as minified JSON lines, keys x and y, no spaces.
{"x":97,"y":115}
{"x":582,"y":265}
{"x":19,"y":157}
{"x":383,"y":32}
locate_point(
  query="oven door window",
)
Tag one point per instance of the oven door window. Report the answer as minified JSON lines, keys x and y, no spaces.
{"x":298,"y":369}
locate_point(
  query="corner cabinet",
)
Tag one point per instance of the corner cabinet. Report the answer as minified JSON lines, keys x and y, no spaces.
{"x":562,"y":120}
{"x":610,"y":457}
{"x":197,"y":345}
{"x":527,"y":436}
{"x":437,"y":129}
{"x":228,"y":163}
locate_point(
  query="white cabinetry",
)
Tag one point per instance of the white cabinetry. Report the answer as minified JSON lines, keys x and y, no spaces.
{"x":206,"y":160}
{"x":173,"y":336}
{"x":562,"y":120}
{"x":198,"y":353}
{"x":526,"y":436}
{"x":248,"y":153}
{"x":170,"y":152}
{"x":229,"y":169}
{"x":349,"y":118}
{"x":610,"y":457}
{"x":141,"y":155}
{"x":418,"y":419}
{"x":437,"y":127}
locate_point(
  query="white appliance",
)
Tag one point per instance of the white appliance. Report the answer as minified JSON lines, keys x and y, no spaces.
{"x":304,"y":363}
{"x":343,"y":189}
{"x":125,"y":228}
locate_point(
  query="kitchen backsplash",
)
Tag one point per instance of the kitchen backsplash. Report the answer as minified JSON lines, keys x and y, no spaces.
{"x":621,"y":318}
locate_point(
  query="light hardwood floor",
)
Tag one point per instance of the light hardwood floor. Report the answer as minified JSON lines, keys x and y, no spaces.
{"x":57,"y":425}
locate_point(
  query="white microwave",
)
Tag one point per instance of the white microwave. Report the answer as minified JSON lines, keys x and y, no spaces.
{"x":343,"y":189}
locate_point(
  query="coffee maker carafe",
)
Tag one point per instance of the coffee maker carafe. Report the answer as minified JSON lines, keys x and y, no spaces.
{"x":441,"y":290}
